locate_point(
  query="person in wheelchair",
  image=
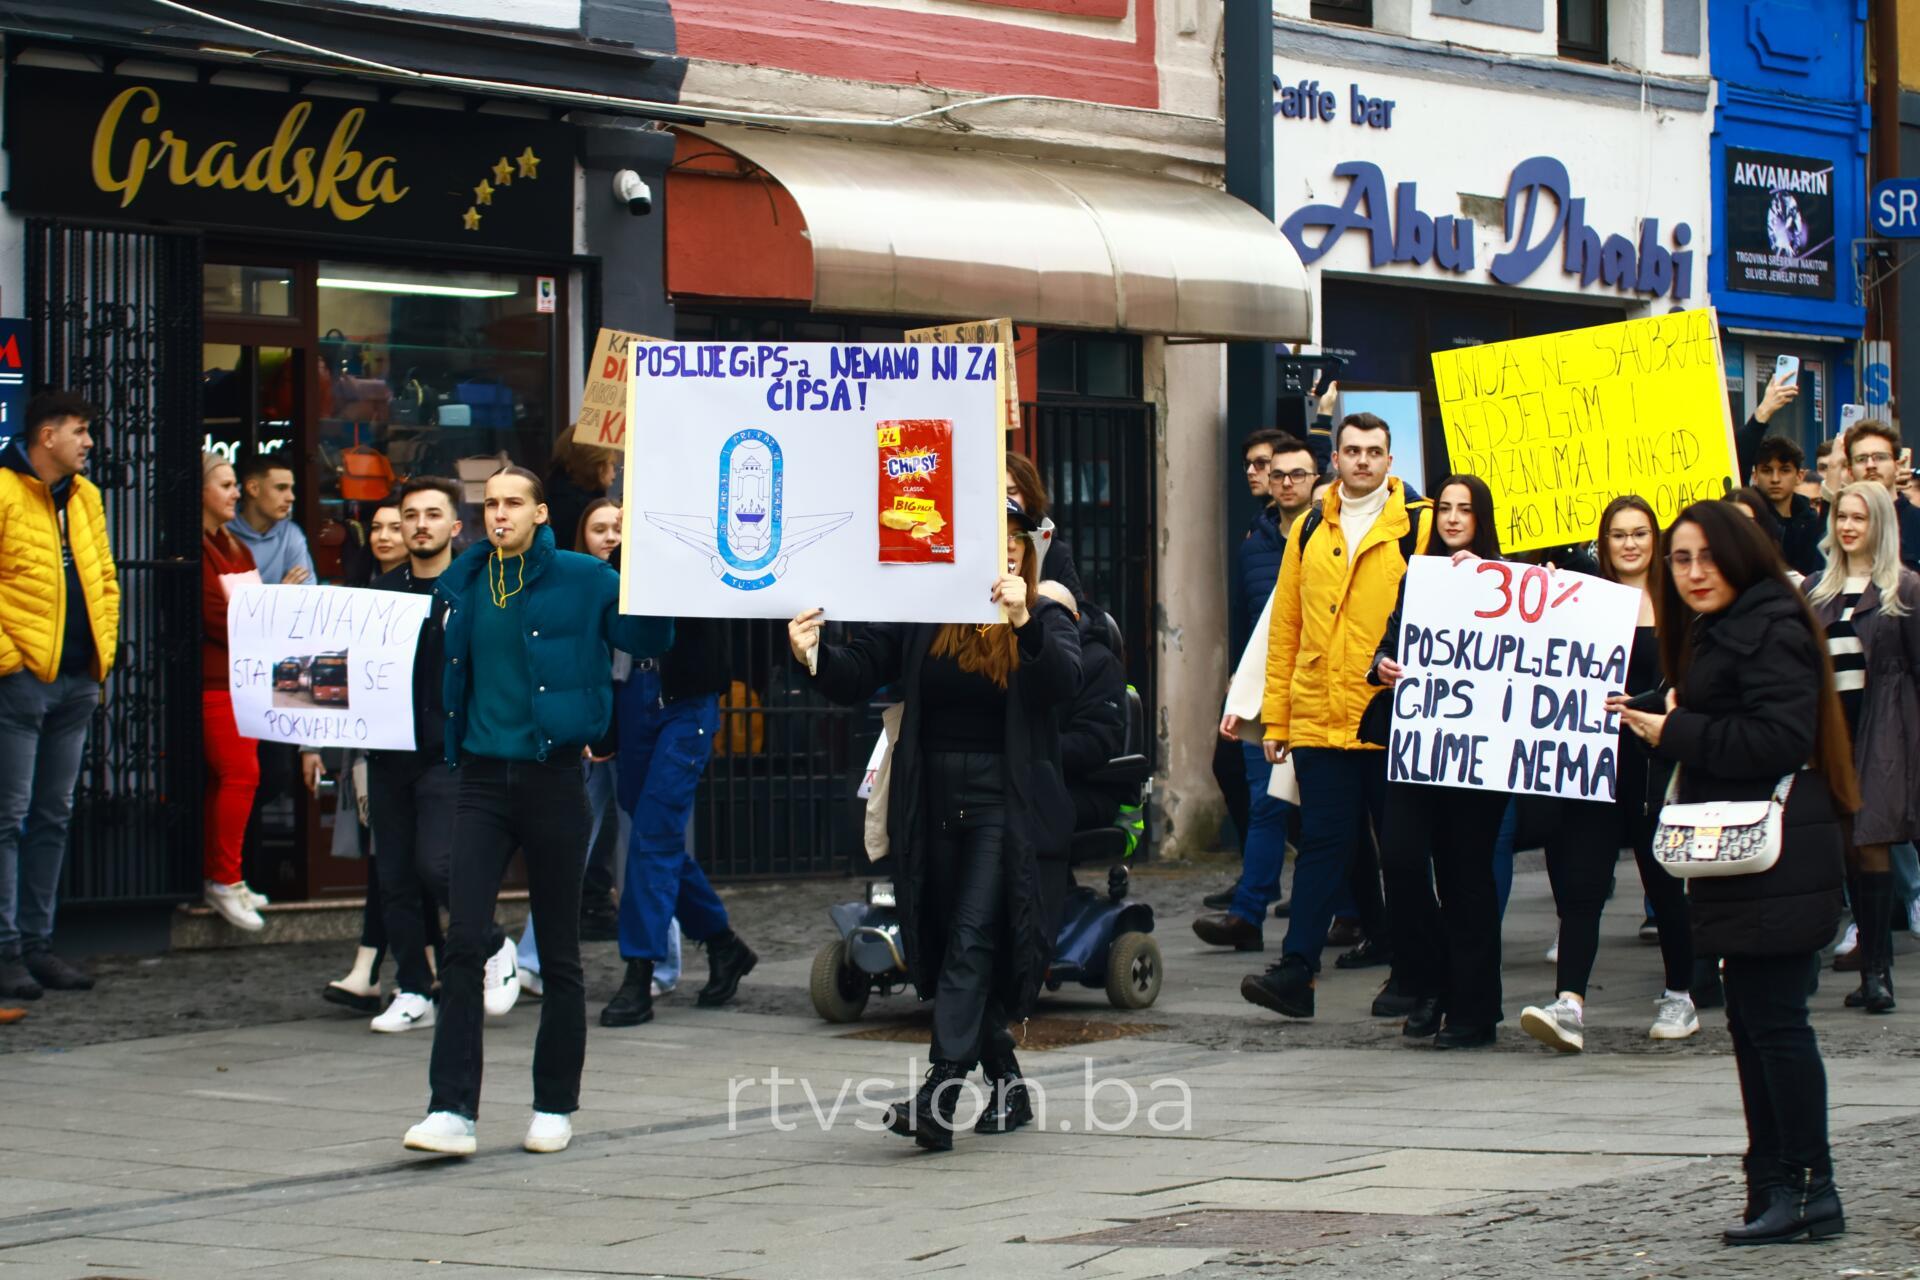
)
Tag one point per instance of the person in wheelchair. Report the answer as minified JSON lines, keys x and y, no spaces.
{"x":975,"y":803}
{"x":1093,"y":728}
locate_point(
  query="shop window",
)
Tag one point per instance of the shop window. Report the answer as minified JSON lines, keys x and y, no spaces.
{"x":1357,"y":13}
{"x":1101,"y":365}
{"x":230,"y":289}
{"x":422,"y":369}
{"x":1583,"y":30}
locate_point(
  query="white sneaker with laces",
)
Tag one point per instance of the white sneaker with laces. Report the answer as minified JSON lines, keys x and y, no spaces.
{"x":531,"y":985}
{"x":254,"y":899}
{"x":1913,"y":917}
{"x":228,"y":903}
{"x":500,"y":983}
{"x":1558,"y":1026}
{"x":1553,"y":952}
{"x":1849,"y":942}
{"x":1675,"y":1018}
{"x":444,"y":1133}
{"x":549,"y":1132}
{"x":405,"y":1013}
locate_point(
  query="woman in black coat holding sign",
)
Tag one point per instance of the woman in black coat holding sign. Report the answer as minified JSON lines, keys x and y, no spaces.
{"x":1587,"y":835}
{"x":1446,"y":954}
{"x":1753,"y":704}
{"x":976,"y":799}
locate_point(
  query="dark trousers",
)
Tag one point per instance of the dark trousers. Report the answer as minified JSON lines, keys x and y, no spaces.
{"x":539,"y":809}
{"x":410,"y":805}
{"x":1783,"y":1085}
{"x":1582,"y":854}
{"x":1342,"y":793}
{"x":963,"y":886}
{"x":1230,"y":772}
{"x":1443,"y":837}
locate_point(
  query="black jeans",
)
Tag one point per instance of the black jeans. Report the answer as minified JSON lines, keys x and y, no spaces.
{"x":1582,"y":854}
{"x":1783,"y":1085}
{"x":963,"y":884}
{"x":1443,"y":837}
{"x":410,"y":805}
{"x":540,"y":810}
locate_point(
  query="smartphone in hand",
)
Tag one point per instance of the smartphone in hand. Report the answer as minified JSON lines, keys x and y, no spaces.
{"x":1786,"y":371}
{"x":1653,"y":701}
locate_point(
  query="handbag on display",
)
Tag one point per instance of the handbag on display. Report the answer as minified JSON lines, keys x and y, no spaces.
{"x":365,"y":473}
{"x":1721,"y":837}
{"x":474,"y":473}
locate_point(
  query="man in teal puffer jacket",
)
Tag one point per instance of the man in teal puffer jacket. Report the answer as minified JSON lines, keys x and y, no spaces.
{"x":530,"y":635}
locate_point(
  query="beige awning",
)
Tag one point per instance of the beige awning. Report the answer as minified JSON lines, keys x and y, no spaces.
{"x":921,"y":232}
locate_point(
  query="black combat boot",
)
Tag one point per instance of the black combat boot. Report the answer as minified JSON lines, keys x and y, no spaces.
{"x":728,"y":960}
{"x":633,"y":1003}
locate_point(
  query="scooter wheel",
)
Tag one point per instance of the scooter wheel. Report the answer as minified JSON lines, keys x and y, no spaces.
{"x":838,"y":989}
{"x":1133,"y":971}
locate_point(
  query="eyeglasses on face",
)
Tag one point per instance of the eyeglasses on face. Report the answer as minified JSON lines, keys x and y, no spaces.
{"x":1295,"y":476}
{"x":1259,"y":464}
{"x":1683,"y":561}
{"x":1872,"y":459}
{"x":1621,"y":537}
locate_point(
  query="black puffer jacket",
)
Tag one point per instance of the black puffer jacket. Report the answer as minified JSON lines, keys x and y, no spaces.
{"x":1748,"y":706}
{"x":1039,"y":811}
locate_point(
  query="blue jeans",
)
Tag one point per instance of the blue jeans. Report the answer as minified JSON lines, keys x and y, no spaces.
{"x":1906,"y":878}
{"x":663,"y":752}
{"x":1264,"y":849}
{"x":43,"y":730}
{"x":1503,"y":855}
{"x":1339,"y":790}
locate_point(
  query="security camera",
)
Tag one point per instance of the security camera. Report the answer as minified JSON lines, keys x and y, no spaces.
{"x":632,"y":190}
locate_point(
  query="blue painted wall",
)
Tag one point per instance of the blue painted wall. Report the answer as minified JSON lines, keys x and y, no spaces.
{"x":1792,"y":80}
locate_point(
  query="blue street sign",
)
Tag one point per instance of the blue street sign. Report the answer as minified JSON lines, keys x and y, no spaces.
{"x":13,"y":377}
{"x":1895,"y":208}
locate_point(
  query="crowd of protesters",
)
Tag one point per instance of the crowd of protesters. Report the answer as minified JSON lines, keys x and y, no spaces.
{"x":1776,"y":652}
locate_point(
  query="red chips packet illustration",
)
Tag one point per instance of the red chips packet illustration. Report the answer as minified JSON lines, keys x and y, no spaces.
{"x":916,"y":491}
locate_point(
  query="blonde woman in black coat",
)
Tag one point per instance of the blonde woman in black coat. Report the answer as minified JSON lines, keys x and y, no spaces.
{"x":1754,"y":702}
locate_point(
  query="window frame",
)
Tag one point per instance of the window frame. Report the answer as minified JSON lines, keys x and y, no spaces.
{"x":1598,"y":52}
{"x":1352,"y":13}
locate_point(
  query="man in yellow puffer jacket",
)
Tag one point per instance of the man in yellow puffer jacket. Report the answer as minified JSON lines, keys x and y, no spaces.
{"x":1338,"y":584}
{"x":59,"y":631}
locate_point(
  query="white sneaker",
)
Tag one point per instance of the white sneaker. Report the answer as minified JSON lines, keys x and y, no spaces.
{"x":549,"y":1132}
{"x":1675,"y":1019}
{"x":1849,"y":942}
{"x":1913,"y":917}
{"x":443,"y":1132}
{"x":405,"y":1013}
{"x":500,"y":982}
{"x":657,"y":990}
{"x":253,"y":899}
{"x":1553,"y":952}
{"x":228,"y":903}
{"x":531,"y":985}
{"x":1558,"y":1026}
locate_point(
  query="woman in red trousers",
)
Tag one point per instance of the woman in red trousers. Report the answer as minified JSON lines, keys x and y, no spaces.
{"x":233,"y":762}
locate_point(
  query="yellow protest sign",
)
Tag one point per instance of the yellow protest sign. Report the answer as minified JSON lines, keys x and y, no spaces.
{"x":603,"y":406}
{"x":1560,"y":425}
{"x":979,"y":333}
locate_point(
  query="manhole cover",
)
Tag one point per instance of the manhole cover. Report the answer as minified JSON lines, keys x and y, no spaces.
{"x":1041,"y":1033}
{"x":1264,"y":1229}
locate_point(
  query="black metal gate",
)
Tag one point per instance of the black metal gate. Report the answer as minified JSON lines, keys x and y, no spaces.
{"x":115,"y":316}
{"x":1096,"y":459}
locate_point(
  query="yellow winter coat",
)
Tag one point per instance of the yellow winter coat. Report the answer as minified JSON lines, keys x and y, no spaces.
{"x":1328,"y":616}
{"x":33,"y":579}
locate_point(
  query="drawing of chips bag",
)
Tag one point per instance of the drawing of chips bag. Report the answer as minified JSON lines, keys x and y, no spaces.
{"x":916,"y":491}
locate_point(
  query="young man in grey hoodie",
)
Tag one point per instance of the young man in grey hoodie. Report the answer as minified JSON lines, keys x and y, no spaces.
{"x":265,"y":524}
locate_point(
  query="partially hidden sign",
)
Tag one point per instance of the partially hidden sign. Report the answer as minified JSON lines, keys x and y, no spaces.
{"x":121,"y":147}
{"x":603,"y":406}
{"x":1507,"y":671}
{"x":1560,"y":425}
{"x":976,"y":333}
{"x":324,"y":666}
{"x":767,"y":478}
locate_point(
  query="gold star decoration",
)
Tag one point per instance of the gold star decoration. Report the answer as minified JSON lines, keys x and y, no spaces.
{"x":503,"y":173}
{"x":528,"y":163}
{"x":472,"y":218}
{"x":483,"y":194}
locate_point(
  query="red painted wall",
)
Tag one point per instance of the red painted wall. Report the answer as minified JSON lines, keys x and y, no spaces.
{"x":886,"y":46}
{"x":732,"y":232}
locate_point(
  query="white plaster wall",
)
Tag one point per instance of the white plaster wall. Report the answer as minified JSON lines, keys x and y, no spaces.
{"x":559,"y":14}
{"x":1456,"y":139}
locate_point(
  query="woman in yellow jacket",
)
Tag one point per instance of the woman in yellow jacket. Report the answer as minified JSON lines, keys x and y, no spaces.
{"x":59,"y":628}
{"x":1338,"y":584}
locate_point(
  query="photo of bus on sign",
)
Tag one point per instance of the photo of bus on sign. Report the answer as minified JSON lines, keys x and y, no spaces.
{"x":316,"y":680}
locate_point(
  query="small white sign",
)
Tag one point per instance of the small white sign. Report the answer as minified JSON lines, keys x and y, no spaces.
{"x":1508,"y":667}
{"x":544,"y":295}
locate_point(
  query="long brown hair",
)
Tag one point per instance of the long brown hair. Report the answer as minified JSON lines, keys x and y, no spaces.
{"x":1026,"y":478}
{"x":580,"y":530}
{"x":1603,"y":549}
{"x":990,"y":651}
{"x":1745,"y":557}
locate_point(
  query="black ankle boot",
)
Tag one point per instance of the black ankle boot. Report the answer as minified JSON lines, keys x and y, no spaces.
{"x":1008,"y":1104}
{"x":633,"y":1003}
{"x":927,"y":1117}
{"x":1804,"y":1205}
{"x":1763,"y":1175}
{"x":728,"y":960}
{"x":1424,"y":1021}
{"x":1873,"y":912}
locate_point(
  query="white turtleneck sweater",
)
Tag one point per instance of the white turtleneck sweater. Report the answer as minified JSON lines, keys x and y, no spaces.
{"x":1358,"y":514}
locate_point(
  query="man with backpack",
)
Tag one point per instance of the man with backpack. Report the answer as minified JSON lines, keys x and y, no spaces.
{"x":1338,"y":583}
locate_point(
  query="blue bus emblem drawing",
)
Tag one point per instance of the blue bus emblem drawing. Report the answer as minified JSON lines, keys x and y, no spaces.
{"x":749,"y":536}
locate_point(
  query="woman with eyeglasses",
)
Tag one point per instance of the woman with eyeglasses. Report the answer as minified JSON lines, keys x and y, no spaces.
{"x":1754,"y":703}
{"x":1446,"y":953}
{"x":1587,"y":836}
{"x":977,"y":798}
{"x":1870,"y":606}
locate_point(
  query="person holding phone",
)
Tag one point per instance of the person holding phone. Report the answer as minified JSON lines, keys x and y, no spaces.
{"x":1587,"y":835}
{"x":1775,"y":464}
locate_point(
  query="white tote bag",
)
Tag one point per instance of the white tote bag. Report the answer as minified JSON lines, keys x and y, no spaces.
{"x":879,"y":777}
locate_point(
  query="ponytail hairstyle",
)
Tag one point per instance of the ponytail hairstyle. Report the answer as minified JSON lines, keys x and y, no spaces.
{"x":992,"y":651}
